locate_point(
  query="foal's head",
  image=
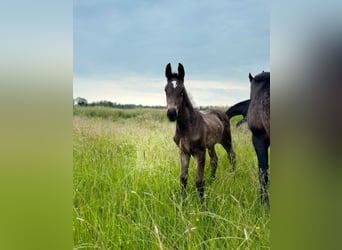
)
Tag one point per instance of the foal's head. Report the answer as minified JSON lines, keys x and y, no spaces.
{"x":174,"y":90}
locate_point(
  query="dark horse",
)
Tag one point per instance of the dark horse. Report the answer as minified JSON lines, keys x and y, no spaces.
{"x":258,"y":118}
{"x":195,"y":131}
{"x":240,"y":108}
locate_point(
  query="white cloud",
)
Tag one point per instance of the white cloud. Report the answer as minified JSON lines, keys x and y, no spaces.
{"x":150,"y":91}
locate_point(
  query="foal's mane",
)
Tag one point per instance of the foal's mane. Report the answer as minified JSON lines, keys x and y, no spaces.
{"x":191,"y":100}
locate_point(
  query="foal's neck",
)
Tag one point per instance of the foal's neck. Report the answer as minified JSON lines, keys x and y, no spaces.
{"x":186,"y":115}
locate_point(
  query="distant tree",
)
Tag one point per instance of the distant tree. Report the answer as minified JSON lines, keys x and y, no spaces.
{"x":81,"y":101}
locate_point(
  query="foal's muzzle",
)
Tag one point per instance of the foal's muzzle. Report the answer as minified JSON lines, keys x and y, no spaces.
{"x":172,"y":114}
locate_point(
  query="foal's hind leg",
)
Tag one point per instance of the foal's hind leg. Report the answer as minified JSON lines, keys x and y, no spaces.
{"x":185,"y":158}
{"x":213,"y":161}
{"x":200,"y":160}
{"x":261,"y":145}
{"x":227,"y":144}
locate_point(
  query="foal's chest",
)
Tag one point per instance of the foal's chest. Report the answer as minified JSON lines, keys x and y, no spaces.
{"x":190,"y":145}
{"x":184,"y":145}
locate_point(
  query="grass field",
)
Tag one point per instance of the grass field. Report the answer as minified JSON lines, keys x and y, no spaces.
{"x":127,"y":191}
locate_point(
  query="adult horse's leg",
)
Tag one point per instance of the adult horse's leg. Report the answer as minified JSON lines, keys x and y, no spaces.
{"x":213,"y":160}
{"x":185,"y":158}
{"x":200,"y":160}
{"x":261,"y":145}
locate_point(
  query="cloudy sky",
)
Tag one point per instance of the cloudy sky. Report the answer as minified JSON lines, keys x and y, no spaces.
{"x":121,"y":48}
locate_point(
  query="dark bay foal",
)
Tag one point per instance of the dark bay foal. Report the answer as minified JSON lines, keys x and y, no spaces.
{"x":195,"y":131}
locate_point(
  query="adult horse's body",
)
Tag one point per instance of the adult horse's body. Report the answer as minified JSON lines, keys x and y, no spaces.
{"x":195,"y":131}
{"x":258,"y":118}
{"x":240,"y":108}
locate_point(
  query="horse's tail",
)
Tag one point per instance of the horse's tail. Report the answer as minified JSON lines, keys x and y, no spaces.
{"x":241,"y":121}
{"x":233,"y":111}
{"x":240,"y":108}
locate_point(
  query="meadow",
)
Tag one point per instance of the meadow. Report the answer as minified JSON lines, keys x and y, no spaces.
{"x":126,"y":191}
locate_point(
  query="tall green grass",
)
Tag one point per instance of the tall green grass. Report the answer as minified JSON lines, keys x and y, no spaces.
{"x":120,"y":114}
{"x":127,"y":191}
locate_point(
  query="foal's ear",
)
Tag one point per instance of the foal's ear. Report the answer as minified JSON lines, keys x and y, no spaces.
{"x":181,"y":72}
{"x":250,"y":77}
{"x":168,"y":71}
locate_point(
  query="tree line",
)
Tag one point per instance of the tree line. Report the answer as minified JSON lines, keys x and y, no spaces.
{"x":79,"y":101}
{"x":83,"y":102}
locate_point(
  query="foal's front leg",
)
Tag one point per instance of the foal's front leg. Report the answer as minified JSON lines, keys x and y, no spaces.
{"x":185,"y":158}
